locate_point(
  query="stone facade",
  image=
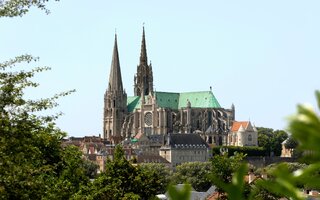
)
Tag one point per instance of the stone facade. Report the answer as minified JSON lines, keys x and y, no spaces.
{"x":181,"y":148}
{"x":151,"y":112}
{"x":243,"y":134}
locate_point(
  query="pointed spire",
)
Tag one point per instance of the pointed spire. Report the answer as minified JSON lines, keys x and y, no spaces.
{"x":143,"y":53}
{"x":115,"y":80}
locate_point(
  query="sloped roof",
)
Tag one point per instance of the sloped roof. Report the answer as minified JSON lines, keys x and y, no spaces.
{"x":202,"y":99}
{"x":133,"y":103}
{"x":151,"y":159}
{"x":237,"y":125}
{"x":186,"y":139}
{"x":167,"y":100}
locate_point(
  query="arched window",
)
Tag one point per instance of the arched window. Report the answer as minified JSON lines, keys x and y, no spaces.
{"x":249,"y":137}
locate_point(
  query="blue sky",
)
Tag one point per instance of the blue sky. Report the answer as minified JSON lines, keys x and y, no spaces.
{"x":261,"y":56}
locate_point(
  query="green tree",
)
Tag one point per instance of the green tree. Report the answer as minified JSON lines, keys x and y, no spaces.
{"x":91,"y":168}
{"x":194,"y":173}
{"x":278,"y":137}
{"x":222,"y":169}
{"x":291,"y":143}
{"x":33,"y":165}
{"x":271,"y":140}
{"x":159,"y":174}
{"x":32,"y":159}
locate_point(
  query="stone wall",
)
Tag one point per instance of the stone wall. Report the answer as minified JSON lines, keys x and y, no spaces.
{"x":264,"y":161}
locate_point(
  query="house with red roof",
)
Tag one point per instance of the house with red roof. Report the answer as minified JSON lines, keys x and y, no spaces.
{"x":242,"y":133}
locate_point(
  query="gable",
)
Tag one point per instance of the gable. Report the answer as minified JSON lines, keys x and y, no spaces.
{"x":237,"y":125}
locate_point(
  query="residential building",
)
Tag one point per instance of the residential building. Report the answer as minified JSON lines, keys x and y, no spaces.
{"x":181,"y":148}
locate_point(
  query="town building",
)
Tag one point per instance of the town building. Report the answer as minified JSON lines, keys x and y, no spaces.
{"x":181,"y":148}
{"x":243,"y":134}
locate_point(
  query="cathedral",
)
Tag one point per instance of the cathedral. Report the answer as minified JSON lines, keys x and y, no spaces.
{"x":152,"y":113}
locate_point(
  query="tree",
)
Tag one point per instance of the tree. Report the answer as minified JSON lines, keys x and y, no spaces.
{"x":32,"y":159}
{"x":160,"y":175}
{"x":194,"y":173}
{"x":291,"y":143}
{"x":222,"y":169}
{"x":33,"y":165}
{"x":276,"y":143}
{"x":13,"y":8}
{"x":91,"y":168}
{"x":271,"y":140}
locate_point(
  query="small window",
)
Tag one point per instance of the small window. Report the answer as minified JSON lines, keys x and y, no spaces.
{"x":249,"y":137}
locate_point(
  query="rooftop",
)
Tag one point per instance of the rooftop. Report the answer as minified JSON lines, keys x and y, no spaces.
{"x":175,"y":101}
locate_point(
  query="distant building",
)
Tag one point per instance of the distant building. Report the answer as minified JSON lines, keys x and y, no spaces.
{"x":243,"y":134}
{"x":151,"y":112}
{"x":286,"y":152}
{"x":181,"y":148}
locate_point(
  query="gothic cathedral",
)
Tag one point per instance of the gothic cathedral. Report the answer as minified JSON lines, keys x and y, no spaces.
{"x":150,"y":112}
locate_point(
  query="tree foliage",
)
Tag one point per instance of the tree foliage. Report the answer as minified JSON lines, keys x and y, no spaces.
{"x":33,"y":165}
{"x":194,"y":173}
{"x":247,"y":150}
{"x":271,"y":140}
{"x":159,"y":174}
{"x":222,"y":169}
{"x":291,"y":143}
{"x":13,"y":8}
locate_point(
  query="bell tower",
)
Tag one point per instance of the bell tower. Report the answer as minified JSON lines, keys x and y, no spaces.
{"x":115,"y":101}
{"x":143,"y":80}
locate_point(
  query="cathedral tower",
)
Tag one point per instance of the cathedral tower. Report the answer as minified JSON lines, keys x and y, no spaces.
{"x":143,"y":80}
{"x":115,"y":101}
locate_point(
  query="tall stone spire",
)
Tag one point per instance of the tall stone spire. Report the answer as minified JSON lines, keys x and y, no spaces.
{"x":143,"y":80}
{"x":143,"y":53}
{"x":115,"y":101}
{"x":115,"y":80}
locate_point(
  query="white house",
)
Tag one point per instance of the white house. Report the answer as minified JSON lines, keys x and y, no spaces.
{"x":243,"y":134}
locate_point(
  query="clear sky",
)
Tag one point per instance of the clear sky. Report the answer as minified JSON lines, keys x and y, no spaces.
{"x":263,"y":56}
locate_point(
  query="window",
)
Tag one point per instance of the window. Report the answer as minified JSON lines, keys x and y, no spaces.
{"x":148,"y":118}
{"x":249,"y":137}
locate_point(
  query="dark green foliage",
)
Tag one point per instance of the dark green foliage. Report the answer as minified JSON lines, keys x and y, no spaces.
{"x":90,"y":168}
{"x":291,"y":143}
{"x":222,"y":169}
{"x":159,"y":174}
{"x":271,"y":140}
{"x":195,"y":173}
{"x":248,"y":151}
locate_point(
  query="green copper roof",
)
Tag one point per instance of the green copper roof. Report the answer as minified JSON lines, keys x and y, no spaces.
{"x":204,"y":99}
{"x":133,"y":103}
{"x":167,"y":99}
{"x":175,"y":101}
